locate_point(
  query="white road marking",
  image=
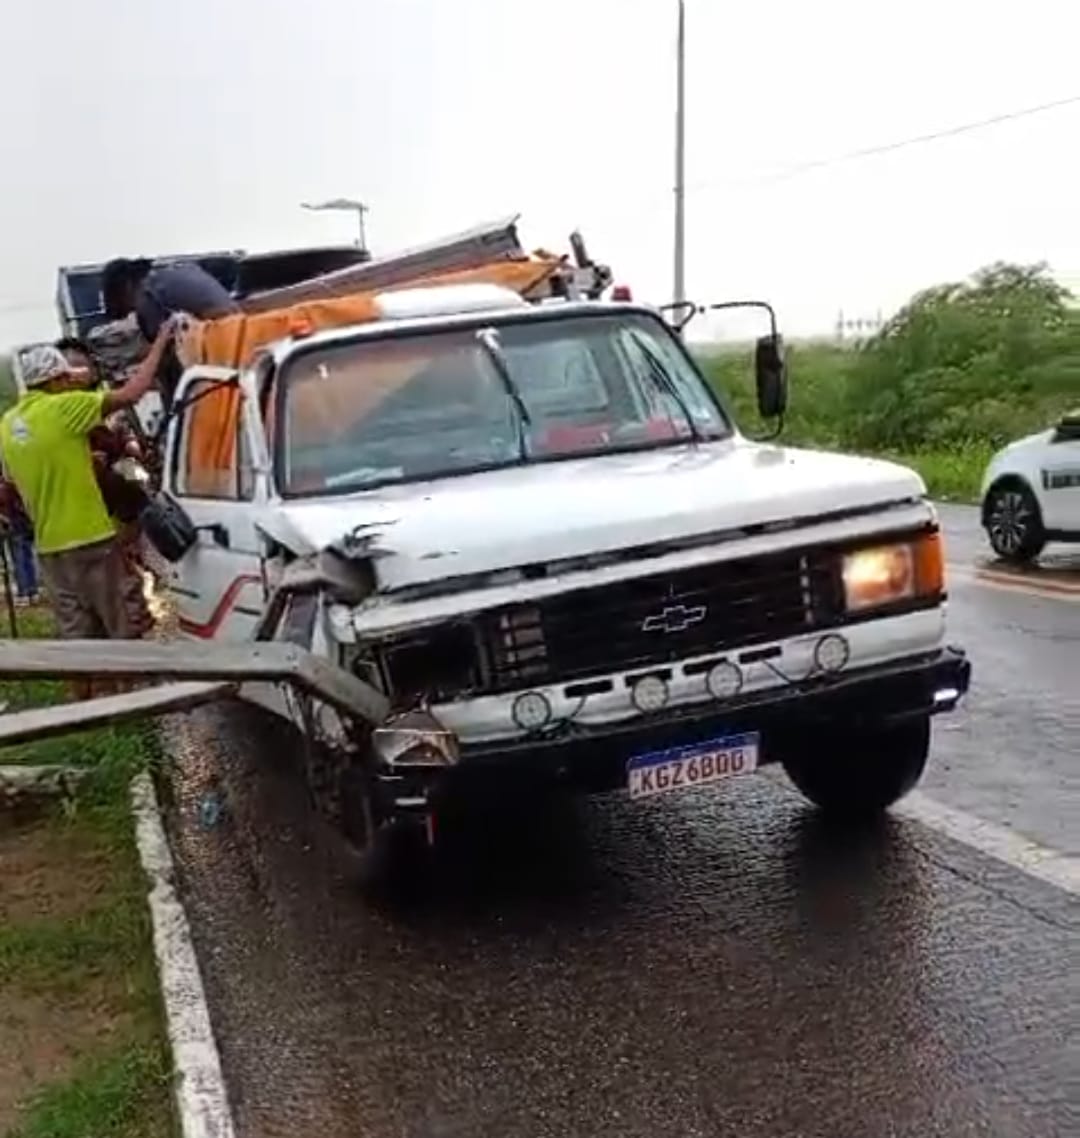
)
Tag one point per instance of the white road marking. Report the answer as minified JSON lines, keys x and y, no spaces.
{"x":996,"y":841}
{"x":989,"y":838}
{"x":1045,"y":590}
{"x":201,"y":1096}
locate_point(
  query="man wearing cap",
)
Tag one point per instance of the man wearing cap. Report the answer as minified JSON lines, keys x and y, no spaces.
{"x":45,"y":448}
{"x":110,"y":443}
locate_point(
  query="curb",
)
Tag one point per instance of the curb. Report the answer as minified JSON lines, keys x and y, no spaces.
{"x":201,"y":1098}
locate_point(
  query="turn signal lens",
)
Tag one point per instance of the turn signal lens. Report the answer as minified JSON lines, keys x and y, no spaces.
{"x":929,"y":565}
{"x":886,"y":574}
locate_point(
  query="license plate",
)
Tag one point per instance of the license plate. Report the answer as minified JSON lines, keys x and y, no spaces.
{"x":683,"y":768}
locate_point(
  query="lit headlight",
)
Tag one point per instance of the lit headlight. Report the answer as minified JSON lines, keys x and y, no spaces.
{"x":886,"y":574}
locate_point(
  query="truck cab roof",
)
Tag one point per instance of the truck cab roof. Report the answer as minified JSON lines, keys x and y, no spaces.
{"x":441,"y":307}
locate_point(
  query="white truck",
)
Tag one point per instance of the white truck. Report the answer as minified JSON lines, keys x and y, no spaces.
{"x":490,"y":543}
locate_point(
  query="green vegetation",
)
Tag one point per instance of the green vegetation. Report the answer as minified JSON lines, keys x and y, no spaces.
{"x":8,"y":391}
{"x":113,"y":1095}
{"x":958,"y":372}
{"x":78,"y":982}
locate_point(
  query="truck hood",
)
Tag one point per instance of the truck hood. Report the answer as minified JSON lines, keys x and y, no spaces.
{"x":427,"y":532}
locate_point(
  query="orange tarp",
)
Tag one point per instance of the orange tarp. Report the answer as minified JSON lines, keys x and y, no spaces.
{"x":210,"y":459}
{"x":232,"y":341}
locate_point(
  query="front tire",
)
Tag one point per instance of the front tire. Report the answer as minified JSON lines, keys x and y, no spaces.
{"x":859,"y":774}
{"x":1013,"y":523}
{"x":389,"y":853}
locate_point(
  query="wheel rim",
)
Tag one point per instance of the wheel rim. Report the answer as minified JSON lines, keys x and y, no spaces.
{"x":1010,"y":521}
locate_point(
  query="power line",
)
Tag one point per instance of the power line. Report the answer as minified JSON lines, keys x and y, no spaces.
{"x":792,"y":171}
{"x":654,"y":204}
{"x":903,"y":143}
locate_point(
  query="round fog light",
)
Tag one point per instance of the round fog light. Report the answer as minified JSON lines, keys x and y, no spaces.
{"x":531,"y":711}
{"x":724,"y":680}
{"x":650,"y":693}
{"x":832,"y":652}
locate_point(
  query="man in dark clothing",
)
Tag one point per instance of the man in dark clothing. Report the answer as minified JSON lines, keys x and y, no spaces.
{"x":156,"y":292}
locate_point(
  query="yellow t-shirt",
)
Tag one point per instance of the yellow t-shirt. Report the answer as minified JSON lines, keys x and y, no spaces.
{"x":46,"y":453}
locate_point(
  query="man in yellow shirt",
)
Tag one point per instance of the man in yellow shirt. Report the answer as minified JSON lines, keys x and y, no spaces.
{"x":44,"y":445}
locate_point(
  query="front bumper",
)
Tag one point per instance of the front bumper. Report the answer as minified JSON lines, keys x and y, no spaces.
{"x":789,"y":719}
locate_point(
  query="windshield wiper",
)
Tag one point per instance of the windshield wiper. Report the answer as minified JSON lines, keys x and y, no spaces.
{"x":663,"y":382}
{"x":488,"y":339}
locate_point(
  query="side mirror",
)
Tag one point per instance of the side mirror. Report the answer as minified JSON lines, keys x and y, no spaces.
{"x":168,"y":527}
{"x":770,"y":375}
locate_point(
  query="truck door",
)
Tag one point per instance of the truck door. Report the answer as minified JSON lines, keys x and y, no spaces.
{"x":215,"y":453}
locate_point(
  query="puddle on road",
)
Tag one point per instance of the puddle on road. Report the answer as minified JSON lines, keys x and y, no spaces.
{"x":1057,"y":574}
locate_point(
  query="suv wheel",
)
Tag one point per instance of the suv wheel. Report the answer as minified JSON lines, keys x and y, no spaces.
{"x":860,"y":773}
{"x":1013,"y":523}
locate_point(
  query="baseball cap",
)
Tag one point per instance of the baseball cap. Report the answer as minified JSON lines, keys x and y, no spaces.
{"x":45,"y":363}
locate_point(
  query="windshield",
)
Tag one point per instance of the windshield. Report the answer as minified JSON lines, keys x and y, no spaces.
{"x":371,"y":412}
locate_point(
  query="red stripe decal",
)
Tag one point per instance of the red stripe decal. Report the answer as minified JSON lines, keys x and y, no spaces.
{"x":208,"y":630}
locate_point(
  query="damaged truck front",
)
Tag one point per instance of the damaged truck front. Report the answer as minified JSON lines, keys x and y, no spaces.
{"x":535,"y":536}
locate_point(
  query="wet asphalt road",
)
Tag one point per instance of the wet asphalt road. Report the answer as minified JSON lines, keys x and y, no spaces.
{"x":708,"y":965}
{"x":1012,"y":754}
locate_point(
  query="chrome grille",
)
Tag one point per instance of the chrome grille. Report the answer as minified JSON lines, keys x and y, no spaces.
{"x":653,"y":620}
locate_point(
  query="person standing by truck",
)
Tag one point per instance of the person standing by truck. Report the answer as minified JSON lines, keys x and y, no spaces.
{"x":154,"y":293}
{"x":110,"y":444}
{"x":45,"y":448}
{"x":15,"y":526}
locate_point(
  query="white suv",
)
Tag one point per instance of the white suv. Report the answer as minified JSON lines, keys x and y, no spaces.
{"x":1031,"y":492}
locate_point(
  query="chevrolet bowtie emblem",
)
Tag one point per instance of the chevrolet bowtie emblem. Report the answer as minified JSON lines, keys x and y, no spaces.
{"x":674,"y":618}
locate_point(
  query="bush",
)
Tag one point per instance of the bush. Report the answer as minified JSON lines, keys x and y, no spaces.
{"x":958,"y":372}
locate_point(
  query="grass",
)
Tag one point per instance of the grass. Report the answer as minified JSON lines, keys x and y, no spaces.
{"x":114,"y":1094}
{"x":824,"y":412}
{"x":950,"y":475}
{"x":963,"y":368}
{"x":79,"y":978}
{"x":52,"y":956}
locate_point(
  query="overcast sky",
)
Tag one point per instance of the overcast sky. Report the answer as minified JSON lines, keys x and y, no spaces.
{"x":135,"y":127}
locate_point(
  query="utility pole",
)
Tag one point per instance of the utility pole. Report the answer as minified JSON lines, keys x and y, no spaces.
{"x":680,"y":160}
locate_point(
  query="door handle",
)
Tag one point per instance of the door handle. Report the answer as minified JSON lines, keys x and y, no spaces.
{"x":219,"y":535}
